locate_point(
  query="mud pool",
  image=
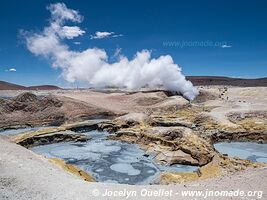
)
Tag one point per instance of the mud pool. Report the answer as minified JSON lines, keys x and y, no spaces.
{"x":110,"y":160}
{"x":244,"y":150}
{"x":23,"y":130}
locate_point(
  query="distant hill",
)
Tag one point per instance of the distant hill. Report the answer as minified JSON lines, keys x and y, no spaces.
{"x":196,"y":80}
{"x":220,"y":80}
{"x":10,"y":86}
{"x":44,"y":87}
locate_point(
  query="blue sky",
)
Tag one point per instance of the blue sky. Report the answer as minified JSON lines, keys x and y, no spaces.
{"x":192,"y":32}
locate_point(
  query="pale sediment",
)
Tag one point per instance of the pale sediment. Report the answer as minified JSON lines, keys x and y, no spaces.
{"x":72,"y":169}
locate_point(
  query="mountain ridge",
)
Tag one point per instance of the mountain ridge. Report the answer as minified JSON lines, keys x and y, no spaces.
{"x":4,"y":85}
{"x":196,"y":80}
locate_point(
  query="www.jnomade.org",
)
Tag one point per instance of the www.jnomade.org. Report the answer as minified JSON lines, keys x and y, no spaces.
{"x":170,"y":193}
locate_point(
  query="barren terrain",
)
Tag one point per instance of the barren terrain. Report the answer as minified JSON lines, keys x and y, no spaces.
{"x":175,"y":130}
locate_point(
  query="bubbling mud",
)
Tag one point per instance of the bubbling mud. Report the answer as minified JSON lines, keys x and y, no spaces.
{"x":109,"y":160}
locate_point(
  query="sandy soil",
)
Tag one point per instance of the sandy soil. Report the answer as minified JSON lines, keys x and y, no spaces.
{"x":25,"y":175}
{"x":235,"y":100}
{"x":121,"y":103}
{"x":228,"y":100}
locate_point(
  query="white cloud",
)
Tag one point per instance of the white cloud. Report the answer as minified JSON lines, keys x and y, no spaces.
{"x":60,"y":13}
{"x":70,"y":32}
{"x":91,"y":65}
{"x":11,"y":70}
{"x":77,"y":43}
{"x":226,"y":46}
{"x":101,"y":35}
{"x":117,"y":35}
{"x":117,"y":52}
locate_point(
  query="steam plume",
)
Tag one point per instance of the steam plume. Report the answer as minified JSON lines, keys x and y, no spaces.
{"x":92,"y":66}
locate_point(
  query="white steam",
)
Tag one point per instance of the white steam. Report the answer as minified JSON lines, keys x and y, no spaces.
{"x":91,"y":65}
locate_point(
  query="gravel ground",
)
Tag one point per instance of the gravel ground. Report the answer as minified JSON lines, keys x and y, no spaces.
{"x":236,"y":100}
{"x":26,"y":175}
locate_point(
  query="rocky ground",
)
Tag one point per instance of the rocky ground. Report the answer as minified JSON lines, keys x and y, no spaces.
{"x":167,"y":125}
{"x":28,"y":109}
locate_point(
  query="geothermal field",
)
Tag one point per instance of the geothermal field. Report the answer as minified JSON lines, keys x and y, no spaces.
{"x":69,"y":143}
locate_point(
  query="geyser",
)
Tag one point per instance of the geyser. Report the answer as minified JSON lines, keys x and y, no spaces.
{"x":92,"y":66}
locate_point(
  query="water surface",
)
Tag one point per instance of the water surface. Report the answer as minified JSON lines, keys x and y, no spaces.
{"x":110,"y":160}
{"x":23,"y":130}
{"x":244,"y":150}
